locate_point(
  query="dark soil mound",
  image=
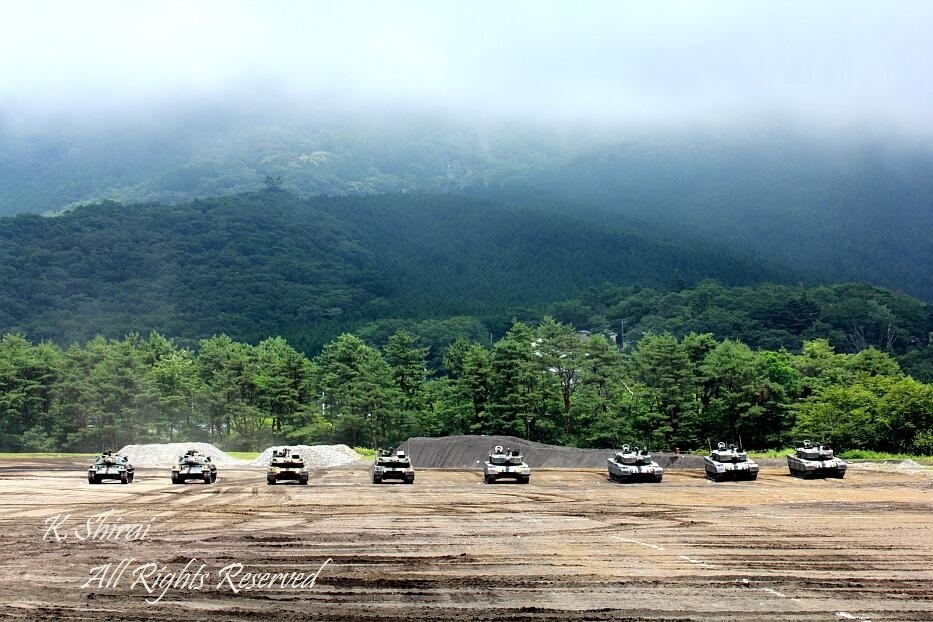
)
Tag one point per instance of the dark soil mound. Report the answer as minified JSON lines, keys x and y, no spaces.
{"x":467,"y":451}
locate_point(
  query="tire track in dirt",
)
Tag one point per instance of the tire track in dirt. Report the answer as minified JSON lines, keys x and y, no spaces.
{"x":570,"y":545}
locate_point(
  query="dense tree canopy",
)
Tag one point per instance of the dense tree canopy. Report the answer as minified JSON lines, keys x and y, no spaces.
{"x":376,"y":318}
{"x":545,"y":382}
{"x":439,"y":267}
{"x":270,"y":263}
{"x":830,"y":206}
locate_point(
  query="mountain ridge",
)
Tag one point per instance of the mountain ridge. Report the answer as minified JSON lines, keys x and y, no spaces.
{"x":269,"y":262}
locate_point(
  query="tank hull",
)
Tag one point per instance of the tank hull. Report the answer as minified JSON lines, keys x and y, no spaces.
{"x":288,"y":475}
{"x":807,"y":469}
{"x":393,"y":467}
{"x":110,"y":473}
{"x":110,"y":467}
{"x":730,"y":471}
{"x":195,"y":474}
{"x":631,"y":473}
{"x":286,"y":466}
{"x":520,"y":473}
{"x":393,"y":473}
{"x":506,"y":464}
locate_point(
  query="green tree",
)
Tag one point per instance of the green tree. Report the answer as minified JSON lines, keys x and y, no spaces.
{"x":180,"y":392}
{"x":463,"y":399}
{"x":750,"y":394}
{"x":873,"y":362}
{"x":844,"y":416}
{"x":410,"y":373}
{"x":228,"y":371}
{"x":72,"y":419}
{"x":117,"y":395}
{"x":281,"y":381}
{"x":409,"y":369}
{"x":885,"y":413}
{"x":516,"y":404}
{"x":562,"y":354}
{"x":357,"y":392}
{"x":663,"y":369}
{"x":907,"y":416}
{"x":820,"y":366}
{"x":27,"y":378}
{"x":605,"y":401}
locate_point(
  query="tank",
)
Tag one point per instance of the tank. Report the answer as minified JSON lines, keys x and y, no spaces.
{"x":110,"y":466}
{"x":506,"y":464}
{"x":392,"y":464}
{"x":634,"y":465}
{"x":286,"y":467}
{"x":815,"y":460}
{"x":729,"y":463}
{"x":194,"y":466}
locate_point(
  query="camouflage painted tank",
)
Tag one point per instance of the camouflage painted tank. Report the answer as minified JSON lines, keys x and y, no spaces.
{"x":815,"y":460}
{"x":286,"y":467}
{"x":393,"y":465}
{"x":729,"y":463}
{"x":194,"y":466}
{"x":506,"y":464}
{"x":634,"y":465}
{"x":110,"y":466}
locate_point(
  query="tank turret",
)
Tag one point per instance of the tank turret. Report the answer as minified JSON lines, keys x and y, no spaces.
{"x":110,"y":466}
{"x":632,"y":464}
{"x":194,"y":466}
{"x":506,"y":464}
{"x":815,"y":460}
{"x":393,"y":464}
{"x":728,"y":462}
{"x":286,"y":467}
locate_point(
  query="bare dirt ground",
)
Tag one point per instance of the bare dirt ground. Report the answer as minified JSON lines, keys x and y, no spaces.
{"x":570,"y":545}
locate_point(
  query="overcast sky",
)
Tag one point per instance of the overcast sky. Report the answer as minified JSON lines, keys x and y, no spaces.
{"x":828,"y":63}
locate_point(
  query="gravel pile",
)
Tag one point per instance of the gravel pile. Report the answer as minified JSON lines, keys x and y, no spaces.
{"x":899,"y":466}
{"x":315,"y":456}
{"x":165,"y":454}
{"x":470,"y":451}
{"x":908,"y":465}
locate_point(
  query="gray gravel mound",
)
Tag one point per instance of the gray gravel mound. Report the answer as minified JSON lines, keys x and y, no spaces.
{"x":470,"y":451}
{"x":314,"y":456}
{"x":908,"y":467}
{"x":165,"y":454}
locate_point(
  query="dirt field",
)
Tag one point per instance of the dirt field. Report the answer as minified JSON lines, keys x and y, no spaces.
{"x":570,"y":545}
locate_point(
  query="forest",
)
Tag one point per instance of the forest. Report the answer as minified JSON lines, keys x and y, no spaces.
{"x":830,"y":207}
{"x":269,"y":263}
{"x":369,"y":319}
{"x":546,"y":382}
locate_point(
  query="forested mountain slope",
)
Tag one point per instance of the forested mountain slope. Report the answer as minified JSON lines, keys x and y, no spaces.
{"x":451,"y":255}
{"x":268,"y":263}
{"x":838,"y":210}
{"x":834,"y":206}
{"x":247,"y":265}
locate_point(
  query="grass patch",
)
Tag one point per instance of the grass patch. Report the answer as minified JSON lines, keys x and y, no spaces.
{"x":249,"y":456}
{"x":366,"y":452}
{"x":864,"y":454}
{"x":771,"y":453}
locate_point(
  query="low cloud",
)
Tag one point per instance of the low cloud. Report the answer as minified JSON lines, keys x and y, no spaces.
{"x":830,"y":63}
